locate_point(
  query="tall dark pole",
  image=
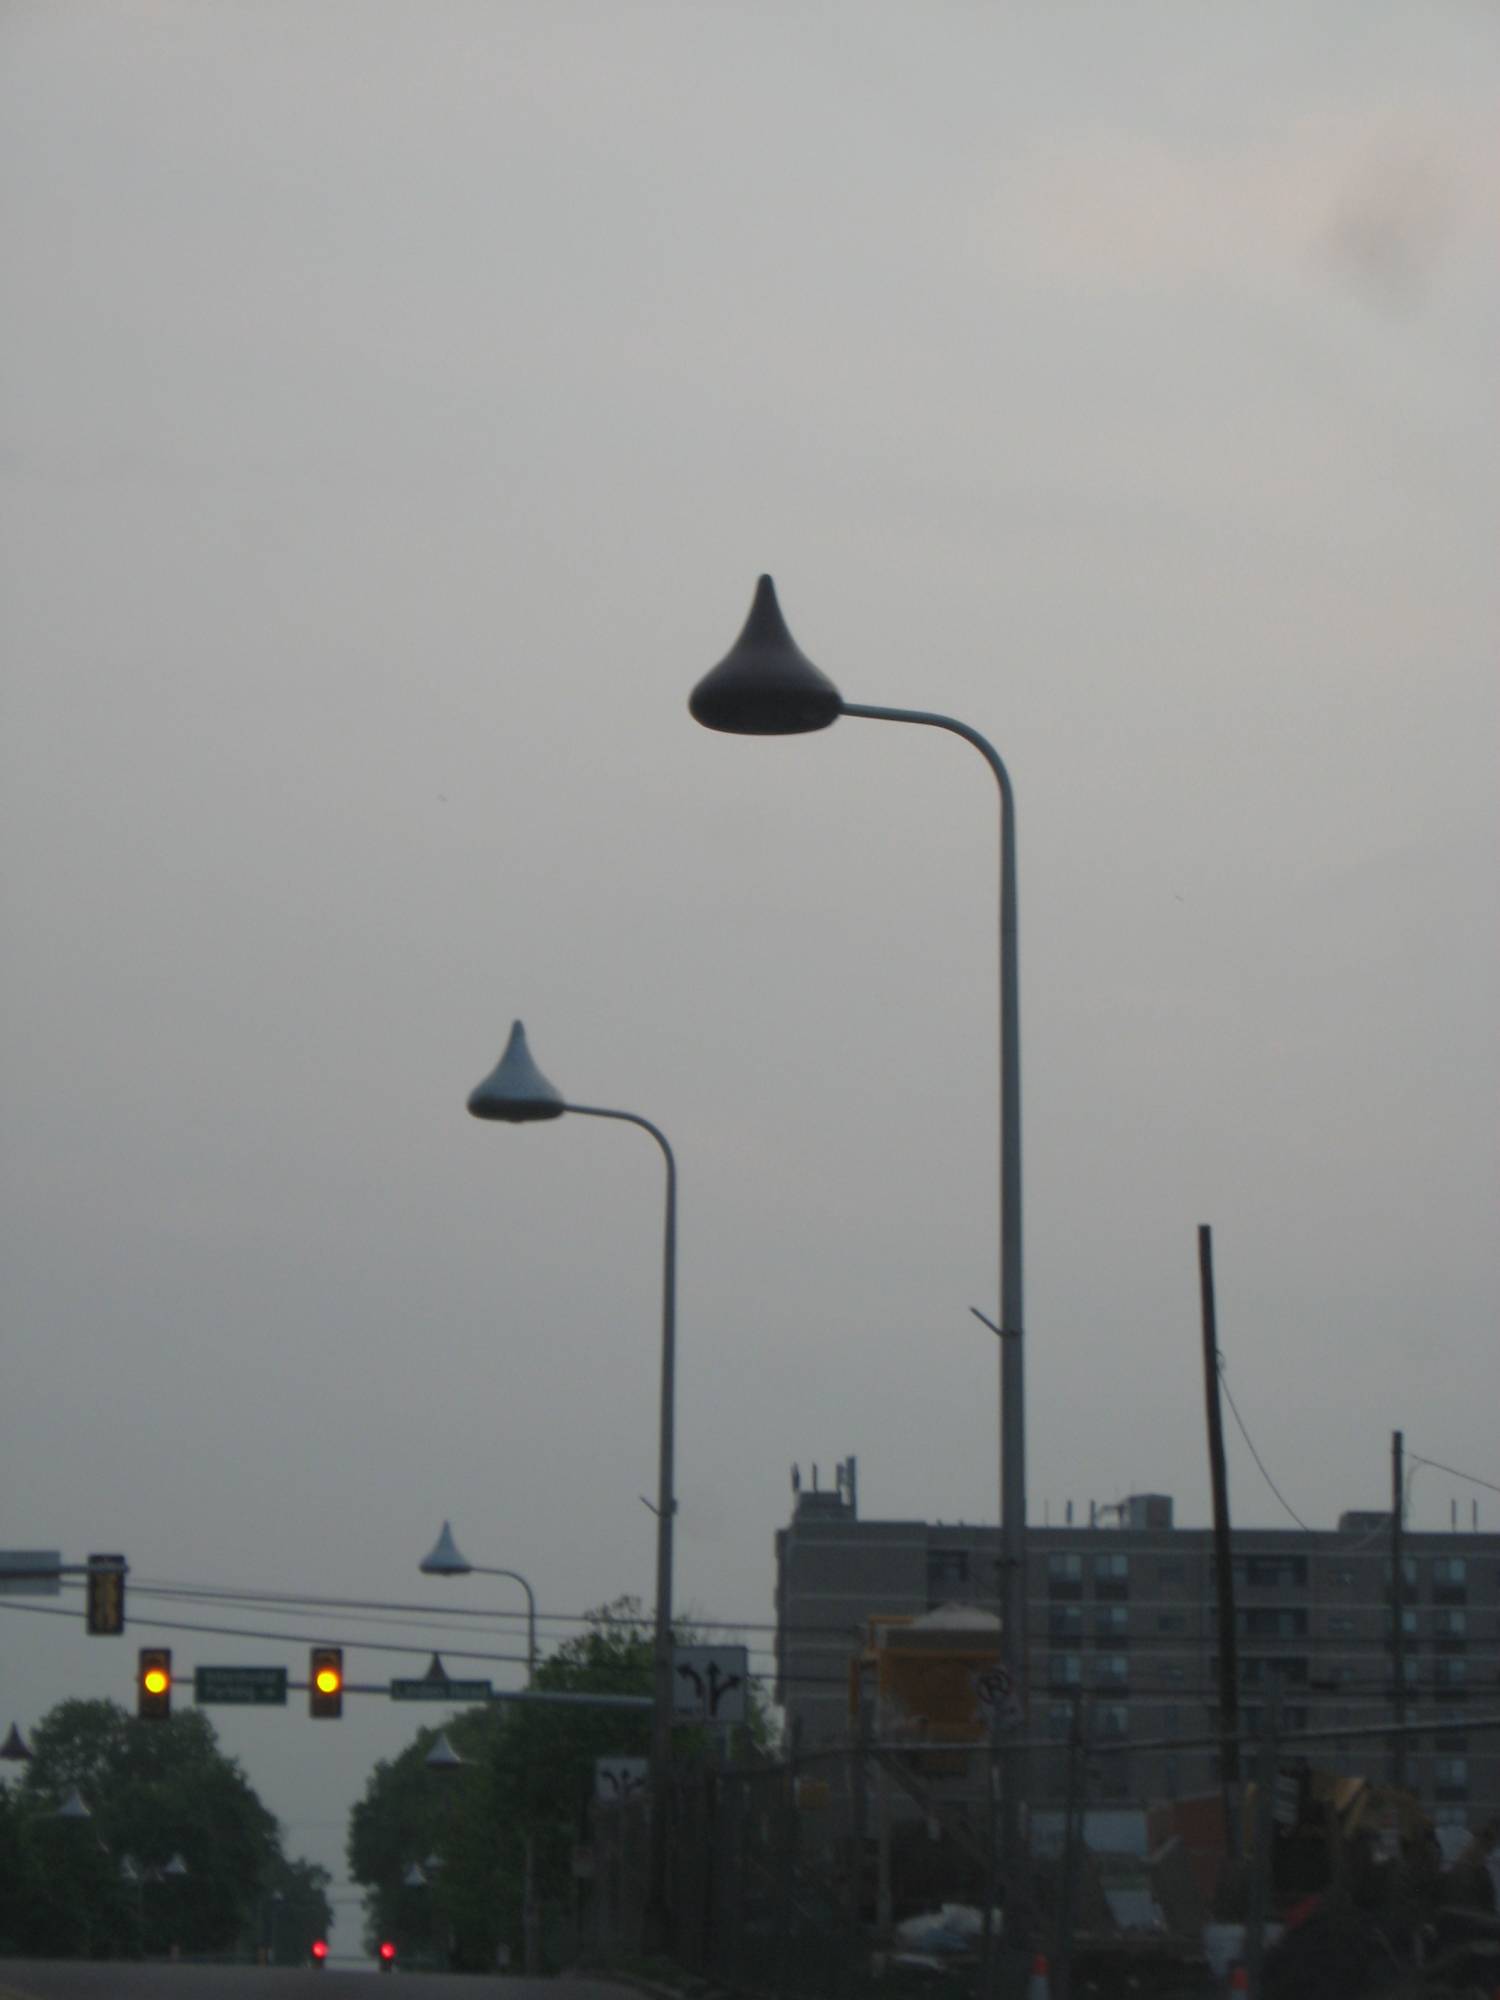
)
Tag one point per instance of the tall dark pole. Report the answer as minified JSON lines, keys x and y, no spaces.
{"x":1229,"y":1693}
{"x":1398,"y":1618}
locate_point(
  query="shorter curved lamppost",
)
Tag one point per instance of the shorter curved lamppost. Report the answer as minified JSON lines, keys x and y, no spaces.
{"x":443,"y":1559}
{"x":516,"y":1093}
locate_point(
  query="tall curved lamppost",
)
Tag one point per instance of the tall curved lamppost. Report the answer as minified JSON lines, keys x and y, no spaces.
{"x":516,"y":1092}
{"x":443,"y":1559}
{"x":766,"y":686}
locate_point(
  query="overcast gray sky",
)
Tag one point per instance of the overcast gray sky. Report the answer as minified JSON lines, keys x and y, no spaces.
{"x":400,"y":402}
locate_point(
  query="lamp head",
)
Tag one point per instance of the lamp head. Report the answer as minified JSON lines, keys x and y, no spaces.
{"x":765,"y":685}
{"x":443,"y":1559}
{"x":515,"y":1088}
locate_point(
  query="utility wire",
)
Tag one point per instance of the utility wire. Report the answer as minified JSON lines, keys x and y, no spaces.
{"x":1453,"y":1472}
{"x":1224,"y":1379}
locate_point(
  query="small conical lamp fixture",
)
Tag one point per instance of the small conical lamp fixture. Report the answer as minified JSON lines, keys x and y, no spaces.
{"x":515,"y":1088}
{"x":15,"y":1749}
{"x":765,"y":685}
{"x":444,"y":1559}
{"x":443,"y":1757}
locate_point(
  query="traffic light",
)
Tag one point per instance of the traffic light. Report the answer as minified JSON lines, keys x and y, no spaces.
{"x":319,"y":1952}
{"x":153,"y":1684}
{"x":325,"y":1681}
{"x":106,"y":1596}
{"x":387,"y":1956}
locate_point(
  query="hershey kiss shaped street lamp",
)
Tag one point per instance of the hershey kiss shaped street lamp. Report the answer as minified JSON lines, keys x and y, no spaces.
{"x":516,"y":1092}
{"x":443,"y":1559}
{"x":766,"y":686}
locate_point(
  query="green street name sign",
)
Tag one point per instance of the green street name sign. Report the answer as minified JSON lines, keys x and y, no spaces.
{"x":245,"y":1687}
{"x":426,"y":1690}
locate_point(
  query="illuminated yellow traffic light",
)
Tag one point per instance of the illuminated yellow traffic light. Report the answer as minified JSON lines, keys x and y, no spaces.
{"x":154,"y":1684}
{"x":325,"y":1681}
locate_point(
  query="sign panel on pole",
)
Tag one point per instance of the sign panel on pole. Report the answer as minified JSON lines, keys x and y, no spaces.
{"x":30,"y":1572}
{"x":450,"y":1691}
{"x":617,"y":1779}
{"x":995,"y":1690}
{"x":241,"y":1687}
{"x":709,"y":1683}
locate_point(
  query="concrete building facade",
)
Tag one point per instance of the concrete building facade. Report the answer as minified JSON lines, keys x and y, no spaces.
{"x":1122,"y":1615}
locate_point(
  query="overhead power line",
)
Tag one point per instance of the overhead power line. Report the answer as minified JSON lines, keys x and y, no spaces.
{"x":1244,"y":1433}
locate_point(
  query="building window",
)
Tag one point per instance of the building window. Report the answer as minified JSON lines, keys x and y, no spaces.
{"x":1450,"y":1777}
{"x":1450,"y":1624}
{"x":1272,"y":1622}
{"x":1171,"y":1621}
{"x":1065,"y":1670}
{"x":1110,"y":1722}
{"x":1060,"y":1721}
{"x":1171,"y":1572}
{"x":1111,"y":1670}
{"x":1408,"y":1579}
{"x":1065,"y":1621}
{"x":1272,"y":1572}
{"x":1341,"y":1627}
{"x":1171,"y":1718}
{"x":1408,"y":1627}
{"x":1112,"y":1576}
{"x":946,"y":1567}
{"x":1111,"y":1624}
{"x":1451,"y":1677}
{"x":1064,"y":1576}
{"x":1450,"y":1575}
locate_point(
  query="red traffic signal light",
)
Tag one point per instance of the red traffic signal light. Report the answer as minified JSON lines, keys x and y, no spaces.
{"x":153,"y":1684}
{"x":105,"y":1596}
{"x":320,"y":1949}
{"x":325,"y":1681}
{"x":387,"y":1955}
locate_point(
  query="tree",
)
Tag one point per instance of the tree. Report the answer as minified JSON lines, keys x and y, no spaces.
{"x":297,"y":1909}
{"x":527,"y":1776}
{"x":155,"y":1791}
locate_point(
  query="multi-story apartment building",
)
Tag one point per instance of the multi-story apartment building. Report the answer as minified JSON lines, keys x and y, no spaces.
{"x":1123,"y":1612}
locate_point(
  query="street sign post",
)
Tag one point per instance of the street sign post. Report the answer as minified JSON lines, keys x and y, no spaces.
{"x":241,"y":1687}
{"x":450,"y":1691}
{"x":708,"y":1683}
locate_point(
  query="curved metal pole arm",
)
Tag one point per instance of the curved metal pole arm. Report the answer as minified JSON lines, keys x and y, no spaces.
{"x":486,"y":1569}
{"x":1012,"y":1287}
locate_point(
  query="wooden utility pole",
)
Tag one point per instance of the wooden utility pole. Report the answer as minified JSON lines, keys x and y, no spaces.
{"x":1398,"y":1618}
{"x":1229,"y":1692}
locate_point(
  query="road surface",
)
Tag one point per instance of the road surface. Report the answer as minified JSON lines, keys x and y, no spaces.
{"x":74,"y":1979}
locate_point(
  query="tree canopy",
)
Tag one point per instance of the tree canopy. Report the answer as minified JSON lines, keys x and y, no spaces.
{"x":442,"y":1853}
{"x":177,"y":1849}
